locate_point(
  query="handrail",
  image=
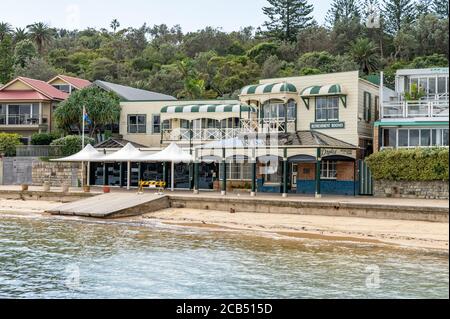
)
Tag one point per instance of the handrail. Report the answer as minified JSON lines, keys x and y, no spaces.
{"x":411,"y":109}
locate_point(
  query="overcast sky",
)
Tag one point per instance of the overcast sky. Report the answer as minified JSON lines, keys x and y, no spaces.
{"x":190,"y":14}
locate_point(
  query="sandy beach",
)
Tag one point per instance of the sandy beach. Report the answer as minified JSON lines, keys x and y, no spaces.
{"x":409,"y":234}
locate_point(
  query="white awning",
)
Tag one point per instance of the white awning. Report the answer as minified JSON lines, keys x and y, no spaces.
{"x":128,"y":153}
{"x":88,"y":154}
{"x":173,"y":153}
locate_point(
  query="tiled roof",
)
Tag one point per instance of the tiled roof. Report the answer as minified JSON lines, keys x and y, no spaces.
{"x":19,"y":95}
{"x":76,"y":82}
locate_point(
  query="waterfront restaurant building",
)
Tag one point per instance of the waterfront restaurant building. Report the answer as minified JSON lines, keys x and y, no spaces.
{"x":322,"y":124}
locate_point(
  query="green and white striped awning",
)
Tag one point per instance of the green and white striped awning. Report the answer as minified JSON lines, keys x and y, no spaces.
{"x":269,"y":88}
{"x":333,"y":89}
{"x":208,"y":108}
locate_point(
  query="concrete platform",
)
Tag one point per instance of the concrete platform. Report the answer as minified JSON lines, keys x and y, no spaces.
{"x":114,"y":205}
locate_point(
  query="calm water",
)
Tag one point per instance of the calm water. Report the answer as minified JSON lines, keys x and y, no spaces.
{"x":51,"y":258}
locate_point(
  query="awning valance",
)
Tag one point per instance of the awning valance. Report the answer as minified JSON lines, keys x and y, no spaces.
{"x":271,"y":88}
{"x":333,"y":89}
{"x":208,"y":108}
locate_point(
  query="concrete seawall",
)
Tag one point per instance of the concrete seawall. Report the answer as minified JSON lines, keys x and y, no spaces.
{"x":341,"y":209}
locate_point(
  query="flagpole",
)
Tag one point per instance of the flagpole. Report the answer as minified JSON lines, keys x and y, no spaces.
{"x":82,"y":147}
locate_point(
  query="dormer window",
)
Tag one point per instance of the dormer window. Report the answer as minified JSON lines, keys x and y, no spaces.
{"x":63,"y":88}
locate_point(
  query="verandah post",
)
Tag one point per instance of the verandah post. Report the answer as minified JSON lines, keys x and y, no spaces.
{"x":318,"y":172}
{"x":196,"y":173}
{"x":105,"y":174}
{"x":253,"y":193}
{"x":224,"y":173}
{"x":285,"y":173}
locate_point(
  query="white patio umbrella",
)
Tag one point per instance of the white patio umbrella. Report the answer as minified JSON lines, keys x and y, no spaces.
{"x":173,"y":154}
{"x":127,"y":154}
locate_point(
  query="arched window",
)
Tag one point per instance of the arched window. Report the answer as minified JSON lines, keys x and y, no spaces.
{"x":274,"y":109}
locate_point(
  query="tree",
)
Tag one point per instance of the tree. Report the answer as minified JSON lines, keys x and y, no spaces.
{"x":6,"y":60}
{"x":8,"y":143}
{"x":287,"y":18}
{"x":364,"y":52}
{"x":5,"y":30}
{"x":36,"y":68}
{"x":272,"y":67}
{"x":115,"y":24}
{"x":423,"y":7}
{"x":397,"y":13}
{"x":440,"y":7}
{"x":103,"y":108}
{"x":41,"y":34}
{"x":343,"y":10}
{"x":23,"y":52}
{"x":20,"y":34}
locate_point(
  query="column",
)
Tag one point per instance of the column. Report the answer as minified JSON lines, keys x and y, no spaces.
{"x":318,"y":172}
{"x":253,"y":193}
{"x":129,"y":175}
{"x":88,"y":174}
{"x":196,"y":177}
{"x":121,"y":174}
{"x":105,"y":174}
{"x":285,"y":118}
{"x":224,"y":173}
{"x":139,"y":173}
{"x":285,"y":174}
{"x":172,"y":179}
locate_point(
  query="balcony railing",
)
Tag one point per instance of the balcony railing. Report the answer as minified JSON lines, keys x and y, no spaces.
{"x":198,"y":135}
{"x":39,"y":151}
{"x":414,"y":109}
{"x":23,"y":119}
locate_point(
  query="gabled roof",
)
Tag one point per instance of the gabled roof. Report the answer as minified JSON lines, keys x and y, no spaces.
{"x":75,"y":82}
{"x":127,"y":93}
{"x":40,"y":86}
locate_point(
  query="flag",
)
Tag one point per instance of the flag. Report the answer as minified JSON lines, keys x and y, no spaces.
{"x":86,"y":116}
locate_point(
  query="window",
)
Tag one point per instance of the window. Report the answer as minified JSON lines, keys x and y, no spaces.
{"x":390,"y":137}
{"x":272,"y":171}
{"x":137,"y":124}
{"x":414,"y":138}
{"x":367,"y":106}
{"x":425,"y":137}
{"x":292,"y":110}
{"x":156,"y":124}
{"x":23,"y":114}
{"x":63,"y":88}
{"x":166,"y":125}
{"x":184,"y":124}
{"x":403,"y":138}
{"x":328,"y":170}
{"x":2,"y":114}
{"x":237,"y":171}
{"x":442,"y":85}
{"x":327,"y":109}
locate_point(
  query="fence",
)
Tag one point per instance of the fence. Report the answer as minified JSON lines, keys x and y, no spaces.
{"x":38,"y":151}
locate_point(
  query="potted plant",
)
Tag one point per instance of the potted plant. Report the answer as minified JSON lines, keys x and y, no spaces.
{"x":86,"y":188}
{"x":106,"y":189}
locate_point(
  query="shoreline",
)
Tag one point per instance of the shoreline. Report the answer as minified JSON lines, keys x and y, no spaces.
{"x":378,"y":232}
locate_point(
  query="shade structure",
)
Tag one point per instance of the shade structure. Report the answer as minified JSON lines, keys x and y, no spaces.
{"x":88,"y":154}
{"x":128,"y":153}
{"x":173,"y":153}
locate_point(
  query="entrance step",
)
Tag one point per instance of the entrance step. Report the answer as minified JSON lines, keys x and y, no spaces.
{"x":114,"y":205}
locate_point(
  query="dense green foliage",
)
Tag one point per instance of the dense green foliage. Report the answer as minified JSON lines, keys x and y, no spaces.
{"x":410,"y":165}
{"x":8,"y":143}
{"x":44,"y":138}
{"x":71,"y":144}
{"x":210,"y":63}
{"x":102,"y":107}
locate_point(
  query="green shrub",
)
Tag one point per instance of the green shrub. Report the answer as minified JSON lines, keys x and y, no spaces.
{"x":427,"y":164}
{"x":44,"y":138}
{"x":71,"y":144}
{"x":8,"y":143}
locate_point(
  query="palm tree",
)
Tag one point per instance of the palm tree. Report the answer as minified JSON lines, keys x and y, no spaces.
{"x":5,"y":29}
{"x":365,"y":53}
{"x":41,"y":34}
{"x":20,"y":34}
{"x":115,"y":24}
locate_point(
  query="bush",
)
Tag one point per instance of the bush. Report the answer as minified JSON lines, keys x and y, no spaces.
{"x":44,"y":138}
{"x":8,"y":143}
{"x":410,"y":165}
{"x":71,"y":144}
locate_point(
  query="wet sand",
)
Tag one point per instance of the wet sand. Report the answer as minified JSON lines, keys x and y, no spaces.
{"x":411,"y":234}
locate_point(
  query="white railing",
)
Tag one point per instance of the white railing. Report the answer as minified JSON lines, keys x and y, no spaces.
{"x":411,"y":109}
{"x":19,"y":119}
{"x":209,"y":134}
{"x":277,"y":125}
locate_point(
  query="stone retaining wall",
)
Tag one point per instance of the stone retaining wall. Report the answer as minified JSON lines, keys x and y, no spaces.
{"x":56,"y":173}
{"x":411,"y":189}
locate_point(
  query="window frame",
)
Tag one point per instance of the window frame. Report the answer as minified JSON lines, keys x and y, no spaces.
{"x":367,"y":105}
{"x":328,"y":170}
{"x":327,"y":108}
{"x":154,"y":125}
{"x":137,"y":125}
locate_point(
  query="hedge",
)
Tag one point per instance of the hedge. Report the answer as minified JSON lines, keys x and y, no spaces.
{"x":421,"y":164}
{"x":8,"y":143}
{"x":71,"y":144}
{"x":44,"y":138}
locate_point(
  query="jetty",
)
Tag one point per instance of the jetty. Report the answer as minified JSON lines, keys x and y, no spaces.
{"x":114,"y":205}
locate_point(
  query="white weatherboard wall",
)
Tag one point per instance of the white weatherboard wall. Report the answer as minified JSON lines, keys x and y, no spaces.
{"x":151,"y":108}
{"x":351,"y":84}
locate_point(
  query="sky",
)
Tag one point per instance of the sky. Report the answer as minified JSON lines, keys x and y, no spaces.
{"x":192,"y":15}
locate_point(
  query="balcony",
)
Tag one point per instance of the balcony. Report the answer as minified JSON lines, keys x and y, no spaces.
{"x":199,"y":135}
{"x":424,"y":109}
{"x":21,"y":121}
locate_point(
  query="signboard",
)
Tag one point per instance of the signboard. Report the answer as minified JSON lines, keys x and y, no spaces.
{"x":339,"y":152}
{"x":329,"y":125}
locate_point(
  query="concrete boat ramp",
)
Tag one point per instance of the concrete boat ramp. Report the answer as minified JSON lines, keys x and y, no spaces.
{"x":114,"y":205}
